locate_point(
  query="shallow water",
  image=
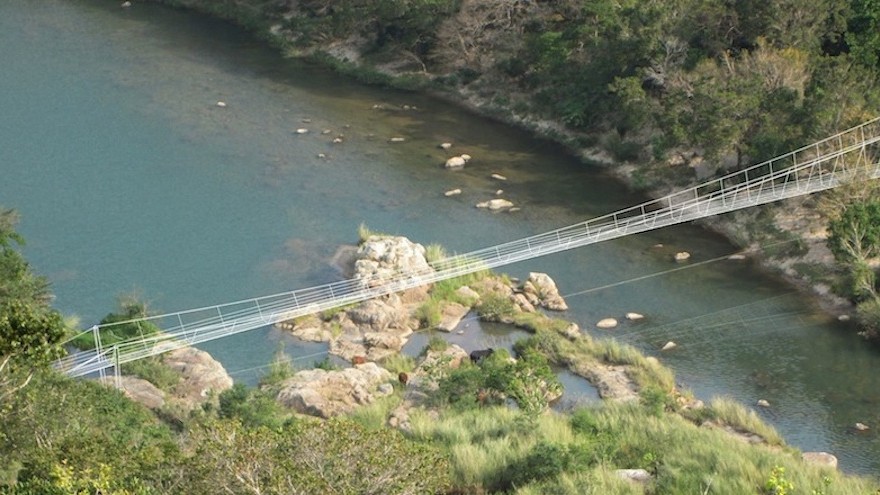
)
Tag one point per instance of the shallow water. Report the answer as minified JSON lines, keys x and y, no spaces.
{"x":130,"y":178}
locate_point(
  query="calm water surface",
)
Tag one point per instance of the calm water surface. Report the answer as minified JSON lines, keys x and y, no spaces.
{"x":130,"y":179}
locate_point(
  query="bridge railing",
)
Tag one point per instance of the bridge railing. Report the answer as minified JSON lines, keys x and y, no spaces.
{"x":815,"y":167}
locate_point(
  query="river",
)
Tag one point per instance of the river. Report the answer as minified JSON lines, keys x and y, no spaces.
{"x":131,"y":179}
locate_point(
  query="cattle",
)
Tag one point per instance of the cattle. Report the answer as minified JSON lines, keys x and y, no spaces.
{"x":479,"y":355}
{"x":358,"y":360}
{"x":402,"y":377}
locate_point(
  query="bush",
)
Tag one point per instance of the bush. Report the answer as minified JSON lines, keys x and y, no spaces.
{"x":495,"y":307}
{"x":153,"y":370}
{"x":252,"y":407}
{"x":869,"y":319}
{"x":544,"y":461}
{"x":120,"y":327}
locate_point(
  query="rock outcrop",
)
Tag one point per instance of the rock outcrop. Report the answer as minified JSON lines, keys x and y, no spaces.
{"x":201,"y":376}
{"x":382,"y":258}
{"x":325,"y":394}
{"x":821,"y":459}
{"x":139,"y":390}
{"x":542,"y":286}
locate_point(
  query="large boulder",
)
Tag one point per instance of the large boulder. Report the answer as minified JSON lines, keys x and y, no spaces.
{"x":325,"y":394}
{"x":821,"y":459}
{"x":202,"y":377}
{"x":542,"y":286}
{"x":139,"y":390}
{"x":380,"y":314}
{"x":450,"y":316}
{"x":434,"y":365}
{"x":382,"y":258}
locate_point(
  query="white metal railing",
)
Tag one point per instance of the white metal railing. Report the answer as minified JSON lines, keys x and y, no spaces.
{"x":822,"y":165}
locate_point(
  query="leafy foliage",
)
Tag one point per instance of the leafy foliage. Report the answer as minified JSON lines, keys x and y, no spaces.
{"x":334,"y":456}
{"x":855,"y":236}
{"x":119,"y":327}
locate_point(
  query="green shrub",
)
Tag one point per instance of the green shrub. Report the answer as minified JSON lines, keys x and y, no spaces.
{"x":153,"y":370}
{"x":120,"y":327}
{"x":869,"y":318}
{"x":435,"y":344}
{"x":252,"y":407}
{"x":495,"y":307}
{"x":397,"y":363}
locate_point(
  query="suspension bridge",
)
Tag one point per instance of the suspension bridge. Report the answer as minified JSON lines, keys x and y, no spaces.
{"x":848,"y":156}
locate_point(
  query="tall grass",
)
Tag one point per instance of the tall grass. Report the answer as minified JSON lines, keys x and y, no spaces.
{"x":376,"y":415}
{"x":365,"y":233}
{"x":734,"y":414}
{"x":483,"y":443}
{"x":397,"y":363}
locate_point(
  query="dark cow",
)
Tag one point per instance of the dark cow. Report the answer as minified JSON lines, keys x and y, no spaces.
{"x":402,"y":377}
{"x":481,"y":354}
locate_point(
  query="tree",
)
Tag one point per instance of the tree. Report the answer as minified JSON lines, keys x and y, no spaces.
{"x":30,"y":331}
{"x":29,"y":340}
{"x":855,"y":236}
{"x":16,"y":279}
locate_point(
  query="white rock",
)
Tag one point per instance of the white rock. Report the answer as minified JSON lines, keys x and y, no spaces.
{"x":497,"y":204}
{"x":499,"y":192}
{"x":862,"y":427}
{"x":736,"y":257}
{"x":843,"y":318}
{"x":322,"y":155}
{"x":397,"y":140}
{"x":455,"y":162}
{"x":326,"y":131}
{"x":498,"y":177}
{"x":452,"y":192}
{"x":682,"y":256}
{"x":822,"y":459}
{"x":446,"y":146}
{"x":635,"y":475}
{"x":668,"y":346}
{"x":126,"y":5}
{"x":763,"y":403}
{"x":607,"y":323}
{"x":302,"y":130}
{"x":634,"y":316}
{"x":306,"y":121}
{"x":337,"y":140}
{"x":515,"y":208}
{"x":221,"y":104}
{"x":466,"y":157}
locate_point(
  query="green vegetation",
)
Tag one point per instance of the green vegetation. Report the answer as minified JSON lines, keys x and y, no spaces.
{"x":663,"y":84}
{"x":490,"y":430}
{"x":854,"y":238}
{"x":120,"y":327}
{"x":30,"y":330}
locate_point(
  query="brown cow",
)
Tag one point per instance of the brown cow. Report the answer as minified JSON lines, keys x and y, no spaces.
{"x":403,"y":377}
{"x":358,"y":360}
